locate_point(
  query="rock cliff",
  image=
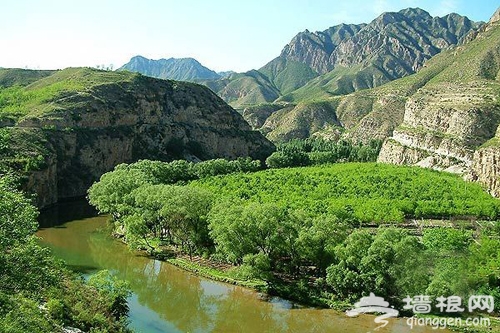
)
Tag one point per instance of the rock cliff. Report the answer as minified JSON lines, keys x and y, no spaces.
{"x":450,"y":123}
{"x":115,"y":118}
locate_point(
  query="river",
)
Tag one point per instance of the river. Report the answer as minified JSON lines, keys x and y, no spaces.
{"x":167,"y":299}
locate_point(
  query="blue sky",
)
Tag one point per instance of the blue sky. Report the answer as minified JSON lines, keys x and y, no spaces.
{"x":221,"y":34}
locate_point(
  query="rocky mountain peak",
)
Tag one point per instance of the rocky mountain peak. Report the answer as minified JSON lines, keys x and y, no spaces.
{"x":496,"y":16}
{"x":415,"y":13}
{"x":183,"y":69}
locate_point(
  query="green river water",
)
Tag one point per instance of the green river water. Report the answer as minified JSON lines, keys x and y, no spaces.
{"x":167,"y":299}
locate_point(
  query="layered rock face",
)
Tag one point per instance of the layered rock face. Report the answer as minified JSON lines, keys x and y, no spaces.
{"x":91,"y":131}
{"x":485,"y":169}
{"x":447,"y":123}
{"x":451,"y":122}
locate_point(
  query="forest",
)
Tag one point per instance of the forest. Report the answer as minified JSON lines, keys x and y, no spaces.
{"x":325,"y":234}
{"x":317,"y":151}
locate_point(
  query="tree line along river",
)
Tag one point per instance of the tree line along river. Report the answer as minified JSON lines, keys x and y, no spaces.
{"x":167,"y":299}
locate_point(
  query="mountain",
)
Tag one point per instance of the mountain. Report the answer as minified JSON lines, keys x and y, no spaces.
{"x":446,"y":116}
{"x":225,"y":74}
{"x":241,"y":89}
{"x":184,"y":69}
{"x":452,"y":121}
{"x":392,"y":46}
{"x":346,"y":58}
{"x":64,"y":129}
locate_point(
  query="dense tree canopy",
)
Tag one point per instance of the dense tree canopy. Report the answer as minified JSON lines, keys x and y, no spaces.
{"x":313,"y":224}
{"x":317,"y":151}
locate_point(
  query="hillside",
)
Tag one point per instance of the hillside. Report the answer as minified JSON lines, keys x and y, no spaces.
{"x":347,"y":58}
{"x":240,"y":89}
{"x":452,"y":121}
{"x":185,"y":69}
{"x":64,"y":129}
{"x":446,"y":116}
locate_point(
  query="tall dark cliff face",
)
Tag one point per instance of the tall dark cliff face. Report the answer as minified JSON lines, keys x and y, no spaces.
{"x":91,"y":131}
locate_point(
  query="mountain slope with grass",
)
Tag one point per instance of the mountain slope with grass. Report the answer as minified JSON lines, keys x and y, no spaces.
{"x":60,"y":131}
{"x":446,"y":116}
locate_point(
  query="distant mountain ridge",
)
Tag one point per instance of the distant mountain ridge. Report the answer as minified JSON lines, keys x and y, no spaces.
{"x":182,"y":69}
{"x":350,"y":57}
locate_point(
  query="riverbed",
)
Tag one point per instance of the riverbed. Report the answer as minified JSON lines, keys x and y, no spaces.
{"x":166,"y":299}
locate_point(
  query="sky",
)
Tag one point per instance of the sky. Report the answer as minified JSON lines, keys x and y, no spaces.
{"x":223,"y":35}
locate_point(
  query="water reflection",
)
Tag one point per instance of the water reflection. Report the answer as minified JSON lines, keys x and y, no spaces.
{"x":167,"y":299}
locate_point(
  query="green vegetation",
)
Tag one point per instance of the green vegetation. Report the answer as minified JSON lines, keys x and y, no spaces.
{"x":243,"y":89}
{"x":231,"y":276}
{"x":37,"y":294}
{"x":18,"y":99}
{"x":318,"y":151}
{"x":288,"y":75}
{"x":301,"y":121}
{"x":362,"y":192}
{"x":22,"y":150}
{"x":19,"y":77}
{"x":311,"y":233}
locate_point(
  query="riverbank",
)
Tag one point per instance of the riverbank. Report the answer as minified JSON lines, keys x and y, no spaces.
{"x":167,"y":299}
{"x":211,"y":273}
{"x":292,"y":293}
{"x":304,"y":296}
{"x":296,"y":291}
{"x":304,"y":293}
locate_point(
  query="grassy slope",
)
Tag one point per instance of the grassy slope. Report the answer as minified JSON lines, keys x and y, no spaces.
{"x":15,"y":76}
{"x":288,"y":75}
{"x":301,"y":121}
{"x":351,"y":109}
{"x":339,"y":81}
{"x":42,"y":91}
{"x":243,"y":89}
{"x":373,"y":192}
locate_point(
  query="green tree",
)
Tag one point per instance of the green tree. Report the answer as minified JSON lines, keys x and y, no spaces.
{"x":177,"y":214}
{"x":113,"y":193}
{"x":317,"y":241}
{"x":114,"y":291}
{"x":346,"y":276}
{"x":17,"y":216}
{"x":381,"y":264}
{"x":240,"y":229}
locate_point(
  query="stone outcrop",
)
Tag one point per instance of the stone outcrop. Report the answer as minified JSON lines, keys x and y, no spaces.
{"x":451,"y":123}
{"x":485,"y":169}
{"x":93,"y":130}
